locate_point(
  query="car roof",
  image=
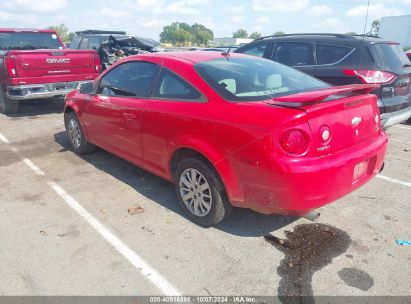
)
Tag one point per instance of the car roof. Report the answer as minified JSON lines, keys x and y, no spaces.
{"x":325,"y":37}
{"x":194,"y":57}
{"x":18,"y":30}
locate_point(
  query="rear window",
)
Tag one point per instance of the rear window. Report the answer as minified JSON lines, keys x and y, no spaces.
{"x":331,"y":54}
{"x":29,"y":41}
{"x":254,"y":79}
{"x":389,"y":56}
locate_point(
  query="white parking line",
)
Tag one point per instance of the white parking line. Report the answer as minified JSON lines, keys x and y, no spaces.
{"x":33,"y":167}
{"x":403,"y":127}
{"x":149,"y":272}
{"x":393,"y":180}
{"x":4,"y":139}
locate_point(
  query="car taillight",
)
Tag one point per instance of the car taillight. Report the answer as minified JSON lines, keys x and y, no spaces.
{"x":294,"y":142}
{"x":371,"y":76}
{"x":10,"y":66}
{"x":97,"y":64}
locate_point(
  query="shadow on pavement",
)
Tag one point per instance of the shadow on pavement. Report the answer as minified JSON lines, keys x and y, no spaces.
{"x":242,"y":222}
{"x":38,"y":107}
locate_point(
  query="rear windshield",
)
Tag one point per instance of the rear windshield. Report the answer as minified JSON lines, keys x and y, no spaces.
{"x":253,"y":79}
{"x":29,"y":41}
{"x":389,"y":56}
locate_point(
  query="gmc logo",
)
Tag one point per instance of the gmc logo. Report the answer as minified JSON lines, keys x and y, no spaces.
{"x":55,"y":60}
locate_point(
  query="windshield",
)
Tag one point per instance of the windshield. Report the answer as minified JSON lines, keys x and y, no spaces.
{"x":254,"y":79}
{"x":389,"y":56}
{"x":29,"y":41}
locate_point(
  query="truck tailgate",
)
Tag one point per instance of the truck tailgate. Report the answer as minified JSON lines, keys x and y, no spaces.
{"x":37,"y":63}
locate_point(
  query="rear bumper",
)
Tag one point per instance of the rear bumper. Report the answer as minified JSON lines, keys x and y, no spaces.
{"x":43,"y":90}
{"x":294,"y":186}
{"x":390,"y":119}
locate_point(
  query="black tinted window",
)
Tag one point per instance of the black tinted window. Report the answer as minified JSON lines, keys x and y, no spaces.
{"x":129,"y":79}
{"x":294,"y":53}
{"x":253,"y":79}
{"x":29,"y":41}
{"x":172,"y":86}
{"x":330,"y":54}
{"x":256,"y":50}
{"x":75,"y":43}
{"x":84,"y":43}
{"x":389,"y":56}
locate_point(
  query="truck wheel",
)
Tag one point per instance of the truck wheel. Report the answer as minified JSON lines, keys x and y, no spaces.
{"x":76,"y":136}
{"x":7,"y":106}
{"x":201,"y":192}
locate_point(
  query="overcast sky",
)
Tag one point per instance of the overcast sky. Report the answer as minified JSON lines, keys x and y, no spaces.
{"x":147,"y":17}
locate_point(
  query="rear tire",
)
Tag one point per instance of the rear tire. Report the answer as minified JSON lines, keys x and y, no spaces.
{"x":7,"y":106}
{"x":201,"y":193}
{"x":78,"y":142}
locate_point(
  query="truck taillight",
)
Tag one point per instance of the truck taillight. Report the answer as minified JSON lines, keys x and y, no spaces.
{"x":10,"y":65}
{"x":371,"y":76}
{"x":294,"y":141}
{"x":97,"y":63}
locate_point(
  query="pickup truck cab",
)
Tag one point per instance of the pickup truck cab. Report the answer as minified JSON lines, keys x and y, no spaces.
{"x":35,"y":64}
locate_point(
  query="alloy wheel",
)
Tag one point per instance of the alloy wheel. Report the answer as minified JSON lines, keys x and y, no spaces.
{"x":195,"y":192}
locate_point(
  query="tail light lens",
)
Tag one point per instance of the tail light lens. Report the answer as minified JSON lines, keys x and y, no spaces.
{"x":10,"y":66}
{"x":371,"y":76}
{"x":97,"y":63}
{"x":294,"y":142}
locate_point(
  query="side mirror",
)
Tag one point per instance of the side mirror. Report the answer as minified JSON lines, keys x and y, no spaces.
{"x":87,"y":88}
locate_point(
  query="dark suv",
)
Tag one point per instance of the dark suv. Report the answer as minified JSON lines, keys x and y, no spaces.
{"x":345,"y":59}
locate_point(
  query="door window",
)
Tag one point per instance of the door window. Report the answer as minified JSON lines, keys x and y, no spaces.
{"x":294,"y":53}
{"x":171,"y":86}
{"x":331,"y":54}
{"x":129,"y":79}
{"x":256,"y":50}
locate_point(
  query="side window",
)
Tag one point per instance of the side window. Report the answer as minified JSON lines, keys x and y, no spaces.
{"x":171,"y":86}
{"x":93,"y":42}
{"x":75,"y":43}
{"x":256,"y":50}
{"x":294,"y":53}
{"x":129,"y":79}
{"x":330,"y":54}
{"x":84,"y":44}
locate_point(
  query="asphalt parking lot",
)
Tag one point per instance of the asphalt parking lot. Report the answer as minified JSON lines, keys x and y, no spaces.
{"x":65,"y":228}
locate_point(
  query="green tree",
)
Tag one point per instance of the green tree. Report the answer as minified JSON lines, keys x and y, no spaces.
{"x":201,"y":35}
{"x":63,"y":31}
{"x":240,"y":33}
{"x":175,"y":34}
{"x":255,"y":35}
{"x":375,"y":28}
{"x":279,"y":33}
{"x":182,"y":34}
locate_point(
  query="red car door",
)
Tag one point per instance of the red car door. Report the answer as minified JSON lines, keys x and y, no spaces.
{"x":113,"y":116}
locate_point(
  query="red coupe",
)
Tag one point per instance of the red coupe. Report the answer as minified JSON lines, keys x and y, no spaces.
{"x":231,"y":130}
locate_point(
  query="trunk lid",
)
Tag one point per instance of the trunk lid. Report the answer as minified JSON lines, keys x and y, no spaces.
{"x":37,"y":63}
{"x":349,"y":113}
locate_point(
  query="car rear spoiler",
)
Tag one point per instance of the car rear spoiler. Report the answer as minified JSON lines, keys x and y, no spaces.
{"x":317,"y":96}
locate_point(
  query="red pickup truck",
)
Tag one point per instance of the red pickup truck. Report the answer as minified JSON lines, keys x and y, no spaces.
{"x":35,"y":64}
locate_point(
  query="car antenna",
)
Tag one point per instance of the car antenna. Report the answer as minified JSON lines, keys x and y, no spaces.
{"x":363,"y":37}
{"x":227,"y":53}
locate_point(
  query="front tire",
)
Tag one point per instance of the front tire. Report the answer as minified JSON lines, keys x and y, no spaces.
{"x":76,"y":136}
{"x":7,"y":106}
{"x":201,"y":193}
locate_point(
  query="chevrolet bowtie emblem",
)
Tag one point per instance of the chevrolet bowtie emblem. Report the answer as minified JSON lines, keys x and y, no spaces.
{"x":356,"y":121}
